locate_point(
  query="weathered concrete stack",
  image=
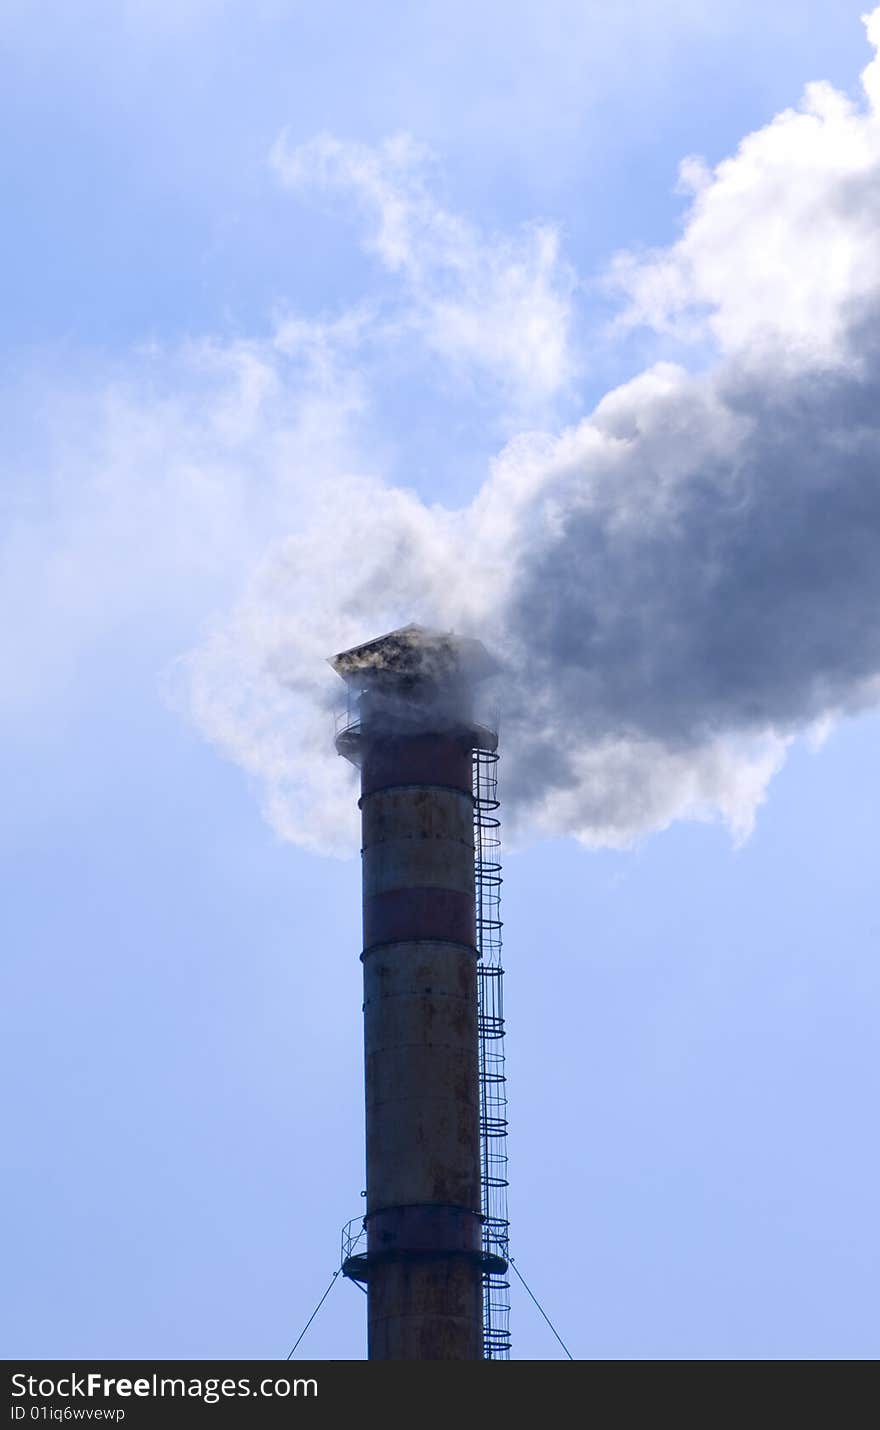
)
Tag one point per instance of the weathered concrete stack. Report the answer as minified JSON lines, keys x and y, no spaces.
{"x":412,"y":734}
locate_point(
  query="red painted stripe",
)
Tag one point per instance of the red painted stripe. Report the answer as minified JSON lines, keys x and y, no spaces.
{"x":418,"y":759}
{"x":399,"y":915}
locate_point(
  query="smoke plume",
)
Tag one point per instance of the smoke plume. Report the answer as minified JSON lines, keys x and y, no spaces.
{"x":675,"y":587}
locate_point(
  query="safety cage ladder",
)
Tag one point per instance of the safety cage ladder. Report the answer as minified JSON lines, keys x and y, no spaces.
{"x":493,"y":1085}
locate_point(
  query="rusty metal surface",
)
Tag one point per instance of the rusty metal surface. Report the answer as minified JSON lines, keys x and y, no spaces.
{"x":418,"y":865}
{"x":426,"y":1310}
{"x":418,"y":838}
{"x":421,"y":1050}
{"x":421,"y":1076}
{"x":418,"y":810}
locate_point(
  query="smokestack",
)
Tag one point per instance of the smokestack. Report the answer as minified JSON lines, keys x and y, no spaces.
{"x":411,"y":730}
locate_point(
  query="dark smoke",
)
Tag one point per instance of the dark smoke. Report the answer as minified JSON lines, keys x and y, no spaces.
{"x":691,"y":577}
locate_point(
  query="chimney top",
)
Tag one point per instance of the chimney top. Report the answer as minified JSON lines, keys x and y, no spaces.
{"x":414,"y":657}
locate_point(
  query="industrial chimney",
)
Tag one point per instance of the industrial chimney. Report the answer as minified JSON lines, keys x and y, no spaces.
{"x":432,"y":1247}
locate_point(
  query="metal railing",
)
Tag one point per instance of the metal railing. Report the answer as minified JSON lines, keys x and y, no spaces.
{"x":353,"y":1253}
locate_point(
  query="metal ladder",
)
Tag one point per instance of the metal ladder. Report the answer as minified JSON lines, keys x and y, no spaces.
{"x":493,"y":1083}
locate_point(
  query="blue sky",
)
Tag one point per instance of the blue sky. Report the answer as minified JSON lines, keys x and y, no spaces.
{"x":217,"y":365}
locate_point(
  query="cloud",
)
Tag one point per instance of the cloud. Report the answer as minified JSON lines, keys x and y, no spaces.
{"x":779,"y":246}
{"x":497,"y":307}
{"x":679,"y":584}
{"x":149,"y":496}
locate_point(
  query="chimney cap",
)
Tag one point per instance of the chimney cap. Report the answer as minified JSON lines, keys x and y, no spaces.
{"x":412,"y":655}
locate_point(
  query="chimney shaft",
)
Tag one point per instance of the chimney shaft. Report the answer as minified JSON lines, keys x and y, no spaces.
{"x":420,"y":1042}
{"x":413,"y":739}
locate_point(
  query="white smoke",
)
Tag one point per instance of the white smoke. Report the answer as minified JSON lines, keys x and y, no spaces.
{"x":678,"y":585}
{"x":483,"y":305}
